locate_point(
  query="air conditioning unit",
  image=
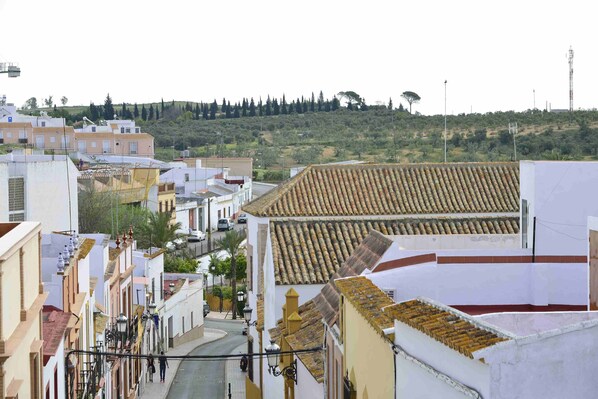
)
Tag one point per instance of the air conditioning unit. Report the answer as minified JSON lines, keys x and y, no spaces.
{"x":22,"y":141}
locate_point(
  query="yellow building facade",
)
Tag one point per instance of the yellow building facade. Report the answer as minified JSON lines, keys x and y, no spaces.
{"x":21,"y":303}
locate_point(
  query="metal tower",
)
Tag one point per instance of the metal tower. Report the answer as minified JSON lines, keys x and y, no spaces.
{"x":570,"y":79}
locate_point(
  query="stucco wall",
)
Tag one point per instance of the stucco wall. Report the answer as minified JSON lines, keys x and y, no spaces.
{"x":489,"y":284}
{"x":368,"y":357}
{"x":415,"y":381}
{"x":557,"y":366}
{"x":307,"y":386}
{"x":561,"y":196}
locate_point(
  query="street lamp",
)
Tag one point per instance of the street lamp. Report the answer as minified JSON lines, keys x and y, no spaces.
{"x":152,"y":307}
{"x":247,"y":315}
{"x":11,"y":69}
{"x":240,"y":296}
{"x":273,"y":355}
{"x":171,"y":286}
{"x":121,"y":323}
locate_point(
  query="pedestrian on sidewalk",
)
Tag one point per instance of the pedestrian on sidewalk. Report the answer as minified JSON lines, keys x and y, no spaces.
{"x":163,"y":364}
{"x":151,"y":368}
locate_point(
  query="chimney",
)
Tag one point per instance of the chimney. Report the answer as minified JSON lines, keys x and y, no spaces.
{"x":292,"y":301}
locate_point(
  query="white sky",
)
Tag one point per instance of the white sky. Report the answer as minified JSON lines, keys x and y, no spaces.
{"x":493,"y":56}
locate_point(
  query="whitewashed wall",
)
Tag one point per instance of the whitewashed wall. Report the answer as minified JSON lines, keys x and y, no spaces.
{"x":489,"y":284}
{"x":55,"y":362}
{"x":561,"y":196}
{"x":413,"y":381}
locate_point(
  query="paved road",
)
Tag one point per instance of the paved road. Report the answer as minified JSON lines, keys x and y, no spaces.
{"x":206,"y":379}
{"x":201,"y":247}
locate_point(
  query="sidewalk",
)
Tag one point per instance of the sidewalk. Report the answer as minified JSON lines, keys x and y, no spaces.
{"x":157,"y":390}
{"x":234,"y":376}
{"x":221,"y":316}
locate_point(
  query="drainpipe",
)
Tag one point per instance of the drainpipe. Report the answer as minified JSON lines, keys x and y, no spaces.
{"x":534,"y":242}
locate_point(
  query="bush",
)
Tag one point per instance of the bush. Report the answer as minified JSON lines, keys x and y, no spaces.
{"x":174,"y":264}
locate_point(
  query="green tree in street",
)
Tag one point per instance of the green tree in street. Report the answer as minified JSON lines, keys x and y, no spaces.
{"x":231,"y":244}
{"x":158,"y":230}
{"x":31,"y":103}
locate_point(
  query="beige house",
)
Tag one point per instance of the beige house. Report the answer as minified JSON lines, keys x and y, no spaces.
{"x":21,"y":302}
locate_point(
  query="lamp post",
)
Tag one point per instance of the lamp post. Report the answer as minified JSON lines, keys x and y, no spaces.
{"x":445,"y":121}
{"x":152,"y":310}
{"x":273,"y":355}
{"x":171,"y":287}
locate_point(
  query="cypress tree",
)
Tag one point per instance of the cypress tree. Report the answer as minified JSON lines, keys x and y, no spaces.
{"x":136,"y":111}
{"x":108,"y":108}
{"x":123,"y":111}
{"x":298,"y":106}
{"x":151,"y":112}
{"x":252,"y":108}
{"x":157,"y":113}
{"x":223,"y":108}
{"x":260,"y":108}
{"x":93,"y":112}
{"x":312,"y":103}
{"x":275,"y":107}
{"x":236,"y":113}
{"x":327,"y":106}
{"x":143,"y":112}
{"x":321,"y":101}
{"x":268,"y":107}
{"x":205,"y":112}
{"x":284,"y":110}
{"x":228,"y":110}
{"x":162,"y":105}
{"x":334,"y":104}
{"x":390,"y":104}
{"x":291,"y":107}
{"x":213,"y":110}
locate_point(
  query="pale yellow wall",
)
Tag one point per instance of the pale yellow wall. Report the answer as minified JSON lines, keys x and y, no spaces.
{"x":368,"y":357}
{"x":17,"y":366}
{"x":10,"y":291}
{"x":31,"y":271}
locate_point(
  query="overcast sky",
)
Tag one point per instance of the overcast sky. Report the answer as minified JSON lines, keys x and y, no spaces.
{"x":493,"y":56}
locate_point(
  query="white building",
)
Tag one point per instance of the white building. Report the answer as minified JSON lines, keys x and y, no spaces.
{"x":182,"y":310}
{"x":495,"y":356}
{"x":39,"y":188}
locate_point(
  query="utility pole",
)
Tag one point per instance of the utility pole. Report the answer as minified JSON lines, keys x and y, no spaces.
{"x":445,"y":121}
{"x":513,"y":131}
{"x":570,"y":79}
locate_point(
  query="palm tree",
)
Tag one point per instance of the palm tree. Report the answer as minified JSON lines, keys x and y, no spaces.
{"x":214,"y":266}
{"x":158,"y":230}
{"x":231,"y":244}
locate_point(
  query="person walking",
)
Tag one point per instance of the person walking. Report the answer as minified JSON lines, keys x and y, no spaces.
{"x":163,"y":364}
{"x":151,"y":368}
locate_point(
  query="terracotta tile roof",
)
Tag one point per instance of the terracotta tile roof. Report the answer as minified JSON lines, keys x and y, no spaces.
{"x":368,"y":300}
{"x":309,"y":252}
{"x":86,"y":247}
{"x":324,"y":306}
{"x":446,"y":325}
{"x":54,"y":323}
{"x":394,"y":189}
{"x":309,"y":335}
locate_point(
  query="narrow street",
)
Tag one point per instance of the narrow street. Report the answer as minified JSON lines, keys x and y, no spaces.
{"x":206,"y":379}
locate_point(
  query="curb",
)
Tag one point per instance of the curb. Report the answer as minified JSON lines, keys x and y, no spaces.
{"x":202,"y":344}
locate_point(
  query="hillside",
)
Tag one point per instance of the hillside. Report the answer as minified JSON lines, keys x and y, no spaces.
{"x":378,"y":135}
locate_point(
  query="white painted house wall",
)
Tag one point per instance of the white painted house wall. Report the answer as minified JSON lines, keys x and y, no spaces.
{"x":55,"y":362}
{"x":558,"y":363}
{"x":307,"y":386}
{"x":561,"y":195}
{"x":188,"y":299}
{"x":47,"y":190}
{"x":489,"y":284}
{"x":416,"y":382}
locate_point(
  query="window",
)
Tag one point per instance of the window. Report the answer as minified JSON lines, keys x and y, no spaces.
{"x":122,"y":129}
{"x":23,"y":135}
{"x":9,"y":135}
{"x":93,"y":129}
{"x":82,"y":146}
{"x":219,"y":214}
{"x":43,"y":123}
{"x":106,"y":146}
{"x":128,"y":130}
{"x":153,"y":290}
{"x":137,"y":130}
{"x":65,"y":141}
{"x":186,"y":176}
{"x":39,"y":141}
{"x":171,"y":205}
{"x":183,"y":322}
{"x":161,"y":285}
{"x":52,"y":139}
{"x":16,"y":199}
{"x":160,"y":210}
{"x":133,"y":148}
{"x":93,"y":144}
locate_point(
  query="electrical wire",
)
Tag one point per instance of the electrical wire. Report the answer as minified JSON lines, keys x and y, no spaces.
{"x":561,"y":233}
{"x":193,"y":357}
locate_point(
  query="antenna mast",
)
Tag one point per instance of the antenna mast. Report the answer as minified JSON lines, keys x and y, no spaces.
{"x":570,"y":79}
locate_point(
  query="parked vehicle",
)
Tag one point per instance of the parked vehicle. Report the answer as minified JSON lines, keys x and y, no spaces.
{"x":196,"y":235}
{"x":225,"y":224}
{"x":242,"y":218}
{"x":206,"y":308}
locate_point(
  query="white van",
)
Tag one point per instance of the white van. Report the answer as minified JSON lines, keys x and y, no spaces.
{"x":225,"y":224}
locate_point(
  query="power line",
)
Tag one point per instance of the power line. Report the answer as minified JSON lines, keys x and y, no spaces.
{"x":192,"y":357}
